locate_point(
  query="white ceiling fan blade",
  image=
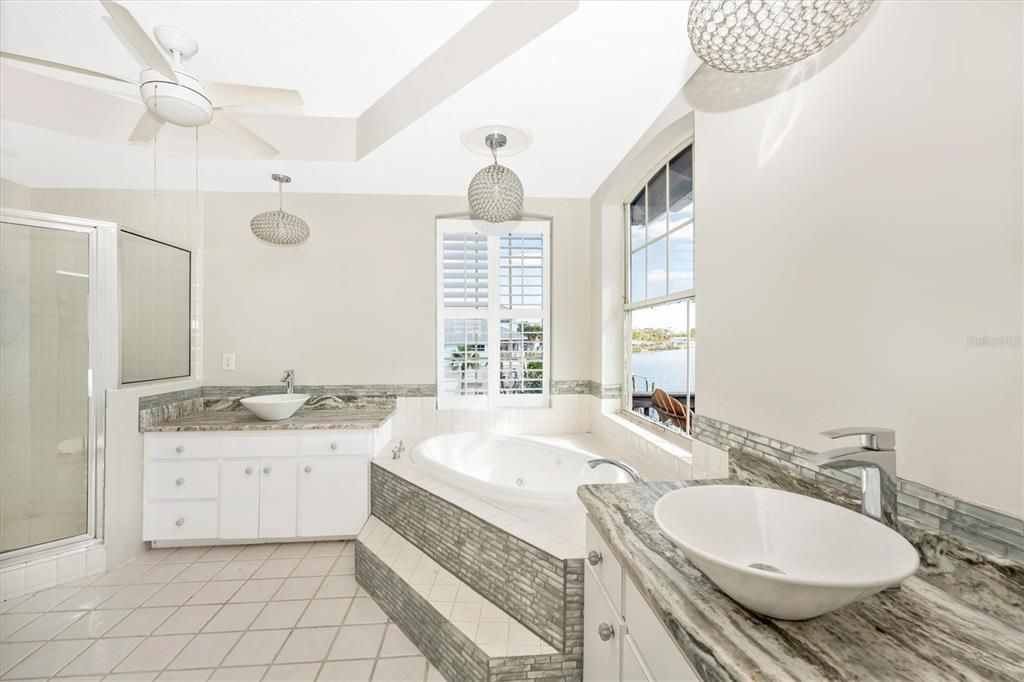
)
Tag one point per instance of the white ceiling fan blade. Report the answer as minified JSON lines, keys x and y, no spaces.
{"x":149,"y":52}
{"x":230,"y":126}
{"x":63,"y":67}
{"x":235,"y":95}
{"x":146,"y":128}
{"x":44,"y":102}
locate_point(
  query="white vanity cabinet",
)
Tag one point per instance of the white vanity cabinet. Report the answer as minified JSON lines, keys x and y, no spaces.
{"x":623,"y":638}
{"x":250,"y":485}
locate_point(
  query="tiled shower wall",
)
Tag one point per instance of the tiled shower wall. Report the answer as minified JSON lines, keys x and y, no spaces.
{"x":43,"y":472}
{"x":171,"y":216}
{"x":154,"y":310}
{"x":15,"y":428}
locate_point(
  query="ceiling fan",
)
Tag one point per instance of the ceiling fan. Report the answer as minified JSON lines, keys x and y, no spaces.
{"x":171,"y":94}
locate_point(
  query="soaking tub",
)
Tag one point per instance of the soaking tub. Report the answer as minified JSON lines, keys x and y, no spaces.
{"x":521,"y":470}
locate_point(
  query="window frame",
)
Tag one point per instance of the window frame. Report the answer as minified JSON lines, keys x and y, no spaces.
{"x":628,"y":307}
{"x":494,"y":312}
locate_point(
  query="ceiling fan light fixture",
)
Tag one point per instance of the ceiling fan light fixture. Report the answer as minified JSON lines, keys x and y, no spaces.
{"x":279,"y":227}
{"x":183,"y":103}
{"x":745,"y":36}
{"x":495,"y":192}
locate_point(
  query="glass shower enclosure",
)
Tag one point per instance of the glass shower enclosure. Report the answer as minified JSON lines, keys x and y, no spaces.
{"x":51,"y":313}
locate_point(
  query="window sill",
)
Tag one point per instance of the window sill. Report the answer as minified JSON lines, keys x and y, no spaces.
{"x":656,"y":431}
{"x":659,"y":453}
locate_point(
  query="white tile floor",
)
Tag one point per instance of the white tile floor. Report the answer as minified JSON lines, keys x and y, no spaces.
{"x":272,"y":612}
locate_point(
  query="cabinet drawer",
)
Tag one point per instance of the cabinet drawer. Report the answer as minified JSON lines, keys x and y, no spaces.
{"x":181,"y":480}
{"x":607,"y":569}
{"x":260,"y":445}
{"x":657,"y":651}
{"x":181,"y":520}
{"x":176,"y":446}
{"x":337,"y":443}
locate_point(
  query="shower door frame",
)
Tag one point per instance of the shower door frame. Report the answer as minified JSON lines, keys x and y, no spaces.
{"x":104,"y":340}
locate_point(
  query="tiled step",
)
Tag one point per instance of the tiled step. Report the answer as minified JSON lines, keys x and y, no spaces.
{"x":463,"y":634}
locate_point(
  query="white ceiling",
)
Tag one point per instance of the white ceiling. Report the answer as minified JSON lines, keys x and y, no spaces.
{"x":586,"y":89}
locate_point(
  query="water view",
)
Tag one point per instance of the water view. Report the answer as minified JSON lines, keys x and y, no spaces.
{"x":666,"y":369}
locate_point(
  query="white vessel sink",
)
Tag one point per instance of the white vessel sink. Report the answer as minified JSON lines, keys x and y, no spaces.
{"x":781,"y":554}
{"x":273,"y":408}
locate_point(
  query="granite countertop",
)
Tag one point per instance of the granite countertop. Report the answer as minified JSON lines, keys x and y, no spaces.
{"x":960,"y":617}
{"x":319,"y":412}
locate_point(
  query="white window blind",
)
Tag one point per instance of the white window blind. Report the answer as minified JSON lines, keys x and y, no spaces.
{"x":464,"y":266}
{"x":514,"y":264}
{"x":522,"y":274}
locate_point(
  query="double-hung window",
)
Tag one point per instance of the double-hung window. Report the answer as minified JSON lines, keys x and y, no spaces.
{"x":493,"y":313}
{"x":661,"y":300}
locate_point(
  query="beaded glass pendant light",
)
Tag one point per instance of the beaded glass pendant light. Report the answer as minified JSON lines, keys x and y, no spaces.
{"x":496,"y":193}
{"x":279,"y":227}
{"x":759,"y":35}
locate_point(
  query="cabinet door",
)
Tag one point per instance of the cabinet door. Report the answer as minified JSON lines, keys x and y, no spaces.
{"x":277,"y":498}
{"x":333,"y":494}
{"x":632,"y":669}
{"x":655,"y":648}
{"x":240,"y":499}
{"x":600,"y":656}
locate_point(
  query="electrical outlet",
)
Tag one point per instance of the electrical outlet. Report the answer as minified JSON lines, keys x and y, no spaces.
{"x":227,"y":362}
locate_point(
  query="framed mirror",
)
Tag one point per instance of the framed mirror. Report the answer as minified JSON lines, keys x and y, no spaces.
{"x":156,"y":309}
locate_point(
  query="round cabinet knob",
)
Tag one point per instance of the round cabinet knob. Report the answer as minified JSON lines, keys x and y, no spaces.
{"x":180,"y":481}
{"x":266,"y":470}
{"x":248,"y":470}
{"x":179,"y":522}
{"x":180,"y":449}
{"x":593,"y":557}
{"x":308,"y":469}
{"x":334,"y":446}
{"x":605,"y":632}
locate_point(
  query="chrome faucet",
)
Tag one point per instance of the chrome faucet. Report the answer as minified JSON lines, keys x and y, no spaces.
{"x":633,"y":473}
{"x":396,"y":453}
{"x":289,"y":380}
{"x":876,"y":458}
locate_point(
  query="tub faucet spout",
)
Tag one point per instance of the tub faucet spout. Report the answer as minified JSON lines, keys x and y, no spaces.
{"x":633,"y":473}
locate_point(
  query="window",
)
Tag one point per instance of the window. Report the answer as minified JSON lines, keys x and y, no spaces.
{"x":661,"y":306}
{"x":493,"y":320}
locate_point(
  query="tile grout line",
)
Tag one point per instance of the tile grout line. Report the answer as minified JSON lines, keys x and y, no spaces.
{"x":333,"y":558}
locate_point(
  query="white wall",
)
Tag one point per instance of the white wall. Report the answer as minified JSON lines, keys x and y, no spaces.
{"x":355,"y":303}
{"x":855,"y":231}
